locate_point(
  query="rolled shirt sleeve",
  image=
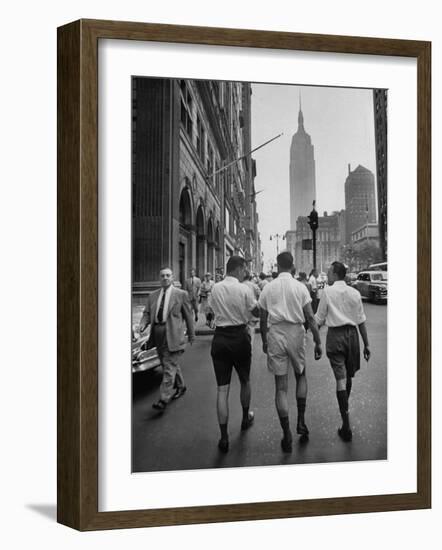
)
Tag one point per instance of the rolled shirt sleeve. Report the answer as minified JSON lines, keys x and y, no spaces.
{"x":251,"y":302}
{"x":263,"y":298}
{"x":306,"y":298}
{"x":360,"y":312}
{"x":321,"y":314}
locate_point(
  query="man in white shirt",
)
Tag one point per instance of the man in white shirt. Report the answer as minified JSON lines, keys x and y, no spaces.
{"x":313,"y":281}
{"x":232,"y":304}
{"x":285,"y":304}
{"x":166,"y":310}
{"x":192,"y":286}
{"x":341,"y":310}
{"x":262,"y":280}
{"x":253,"y":321}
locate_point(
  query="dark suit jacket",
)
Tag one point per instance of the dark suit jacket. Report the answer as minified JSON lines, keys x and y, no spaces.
{"x":178,"y":313}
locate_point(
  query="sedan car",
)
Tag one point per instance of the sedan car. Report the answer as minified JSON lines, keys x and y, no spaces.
{"x":372,"y":285}
{"x":142,"y":358}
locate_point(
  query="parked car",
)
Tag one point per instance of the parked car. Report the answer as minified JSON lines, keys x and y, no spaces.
{"x":351,"y":278}
{"x":372,"y":285}
{"x":142,"y":358}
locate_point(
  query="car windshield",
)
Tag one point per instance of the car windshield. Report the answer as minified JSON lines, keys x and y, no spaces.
{"x":379,"y":277}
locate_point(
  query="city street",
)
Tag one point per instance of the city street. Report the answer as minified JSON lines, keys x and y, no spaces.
{"x":186,"y":435}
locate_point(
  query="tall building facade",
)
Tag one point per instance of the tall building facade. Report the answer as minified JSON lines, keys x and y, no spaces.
{"x":188,"y":211}
{"x":380,"y":129}
{"x":329,"y":240}
{"x":302,"y":173}
{"x":360,"y":200}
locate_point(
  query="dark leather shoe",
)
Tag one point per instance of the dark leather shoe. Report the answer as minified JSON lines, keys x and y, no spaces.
{"x":179,"y":392}
{"x":246,"y":423}
{"x":301,"y":428}
{"x":286,"y":444}
{"x":159,"y":405}
{"x":223,"y":445}
{"x":345,"y":435}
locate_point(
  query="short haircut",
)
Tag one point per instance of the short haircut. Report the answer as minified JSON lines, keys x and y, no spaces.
{"x":262,"y":275}
{"x":247,"y":275}
{"x":285,"y":260}
{"x":302,"y":275}
{"x":339,"y":269}
{"x":234,"y":262}
{"x":166,"y":267}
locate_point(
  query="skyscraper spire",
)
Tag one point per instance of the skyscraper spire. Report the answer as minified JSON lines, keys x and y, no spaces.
{"x":300,"y":115}
{"x":302,"y":171}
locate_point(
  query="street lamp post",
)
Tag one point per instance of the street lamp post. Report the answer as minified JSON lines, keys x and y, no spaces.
{"x":313,"y":223}
{"x":277,"y":236}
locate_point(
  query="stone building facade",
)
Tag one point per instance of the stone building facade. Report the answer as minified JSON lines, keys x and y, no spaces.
{"x":193,"y":182}
{"x":329,"y":239}
{"x":360,"y":201}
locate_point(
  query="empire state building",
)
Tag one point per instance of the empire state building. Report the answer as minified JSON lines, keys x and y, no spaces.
{"x":302,"y":173}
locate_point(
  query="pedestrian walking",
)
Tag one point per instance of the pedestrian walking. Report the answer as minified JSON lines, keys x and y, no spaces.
{"x":285,"y":304}
{"x":341,"y":310}
{"x":253,"y":321}
{"x":166,"y":310}
{"x":232,"y":304}
{"x":205,"y":290}
{"x":302,"y":278}
{"x":313,"y":282}
{"x":262,"y":280}
{"x":192,"y":286}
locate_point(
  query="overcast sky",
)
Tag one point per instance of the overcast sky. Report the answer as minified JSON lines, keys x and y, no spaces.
{"x":340,"y":124}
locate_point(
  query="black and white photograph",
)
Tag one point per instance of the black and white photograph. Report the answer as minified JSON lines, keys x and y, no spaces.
{"x":259,"y":274}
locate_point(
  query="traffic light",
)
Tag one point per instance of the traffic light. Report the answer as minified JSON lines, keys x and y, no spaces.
{"x":313,"y":220}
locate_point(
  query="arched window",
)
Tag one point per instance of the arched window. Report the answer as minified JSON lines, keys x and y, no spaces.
{"x":185,"y":208}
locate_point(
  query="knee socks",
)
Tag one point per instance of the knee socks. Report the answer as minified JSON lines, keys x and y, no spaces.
{"x":343,"y":408}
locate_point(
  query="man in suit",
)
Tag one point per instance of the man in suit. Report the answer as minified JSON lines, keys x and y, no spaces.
{"x":167,"y":310}
{"x":192,"y":286}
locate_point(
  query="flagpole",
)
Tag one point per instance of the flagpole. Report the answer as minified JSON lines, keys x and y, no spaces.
{"x":244,"y":156}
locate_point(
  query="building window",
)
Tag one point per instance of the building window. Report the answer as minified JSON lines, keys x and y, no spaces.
{"x":217,"y":179}
{"x":200,"y":139}
{"x":186,"y":108}
{"x":226,"y":220}
{"x":209,"y":160}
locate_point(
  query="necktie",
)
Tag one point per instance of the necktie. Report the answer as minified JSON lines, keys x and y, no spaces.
{"x":161,"y":310}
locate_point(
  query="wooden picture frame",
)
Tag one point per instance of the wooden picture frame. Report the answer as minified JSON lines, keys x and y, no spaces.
{"x":77,"y":386}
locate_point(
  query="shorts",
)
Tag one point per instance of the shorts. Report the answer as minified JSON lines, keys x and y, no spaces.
{"x":343,"y":351}
{"x":230,"y":350}
{"x":286,"y":345}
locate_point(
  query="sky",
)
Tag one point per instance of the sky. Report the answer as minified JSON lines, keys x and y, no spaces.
{"x":341,"y":126}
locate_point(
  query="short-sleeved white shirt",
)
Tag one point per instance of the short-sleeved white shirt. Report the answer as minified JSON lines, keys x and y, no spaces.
{"x":284,"y":299}
{"x":340,"y":305}
{"x":231,"y":302}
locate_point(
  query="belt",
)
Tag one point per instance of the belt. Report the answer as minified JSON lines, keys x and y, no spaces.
{"x":159,"y":324}
{"x":341,"y":327}
{"x":231,"y":327}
